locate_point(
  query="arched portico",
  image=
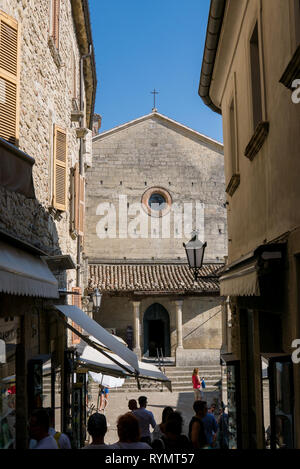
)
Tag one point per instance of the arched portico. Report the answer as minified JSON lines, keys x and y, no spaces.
{"x":156,"y":327}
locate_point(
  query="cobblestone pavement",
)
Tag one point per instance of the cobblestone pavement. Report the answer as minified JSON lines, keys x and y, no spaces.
{"x":180,"y":401}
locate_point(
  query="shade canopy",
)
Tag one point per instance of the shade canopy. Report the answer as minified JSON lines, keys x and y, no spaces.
{"x":106,"y":380}
{"x":94,"y":360}
{"x":100,"y":334}
{"x":241,"y":281}
{"x":24,"y":274}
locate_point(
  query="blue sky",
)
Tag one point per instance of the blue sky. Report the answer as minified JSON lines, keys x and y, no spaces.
{"x":145,"y":44}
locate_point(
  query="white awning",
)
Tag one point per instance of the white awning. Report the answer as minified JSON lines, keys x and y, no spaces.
{"x":105,"y":338}
{"x":106,"y":380}
{"x":95,"y":361}
{"x":242,"y":281}
{"x":22,"y":273}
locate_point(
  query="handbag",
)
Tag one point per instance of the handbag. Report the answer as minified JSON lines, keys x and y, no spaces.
{"x":203,"y":383}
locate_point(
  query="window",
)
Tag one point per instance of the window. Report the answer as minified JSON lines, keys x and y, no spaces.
{"x":60,"y":169}
{"x":255,"y":78}
{"x":55,"y":22}
{"x":234,"y":166}
{"x":9,"y":78}
{"x":156,"y":201}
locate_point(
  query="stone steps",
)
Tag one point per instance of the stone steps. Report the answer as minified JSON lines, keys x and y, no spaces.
{"x":181,"y":379}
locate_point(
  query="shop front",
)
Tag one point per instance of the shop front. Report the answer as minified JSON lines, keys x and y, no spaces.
{"x":259,"y":370}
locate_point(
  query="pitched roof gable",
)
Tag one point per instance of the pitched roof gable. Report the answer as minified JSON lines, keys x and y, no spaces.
{"x":177,"y":126}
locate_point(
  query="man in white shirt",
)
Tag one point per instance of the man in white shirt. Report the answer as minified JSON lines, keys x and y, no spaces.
{"x":145,"y":418}
{"x":61,"y":439}
{"x":39,"y":430}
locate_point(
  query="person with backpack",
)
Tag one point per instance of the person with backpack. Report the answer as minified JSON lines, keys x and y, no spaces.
{"x":61,"y":439}
{"x":196,"y":384}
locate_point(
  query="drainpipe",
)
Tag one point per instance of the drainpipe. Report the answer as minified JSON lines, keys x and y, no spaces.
{"x":81,"y":151}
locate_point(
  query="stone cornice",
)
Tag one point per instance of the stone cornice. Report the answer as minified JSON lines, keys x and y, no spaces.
{"x":292,"y":70}
{"x":257,"y":140}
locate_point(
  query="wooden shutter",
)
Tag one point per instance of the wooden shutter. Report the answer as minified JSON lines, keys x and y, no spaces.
{"x":60,"y":169}
{"x":55,"y":22}
{"x":76,"y":301}
{"x":9,"y":78}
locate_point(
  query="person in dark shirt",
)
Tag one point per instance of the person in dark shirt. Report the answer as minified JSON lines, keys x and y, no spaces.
{"x":172,"y":439}
{"x":197,"y":434}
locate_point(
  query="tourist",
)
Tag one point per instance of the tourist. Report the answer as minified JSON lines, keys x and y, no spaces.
{"x":172,"y":439}
{"x":97,"y":428}
{"x":129,"y":433}
{"x":212,"y":409}
{"x":160,"y":428}
{"x":39,"y":430}
{"x":223,"y":433}
{"x":132,"y":405}
{"x":210,"y":427}
{"x":145,"y":419}
{"x":103,"y":397}
{"x":62,"y":440}
{"x":196,"y":384}
{"x":196,"y":427}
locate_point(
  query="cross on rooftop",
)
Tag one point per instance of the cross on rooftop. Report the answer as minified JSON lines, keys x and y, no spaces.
{"x":154,"y":92}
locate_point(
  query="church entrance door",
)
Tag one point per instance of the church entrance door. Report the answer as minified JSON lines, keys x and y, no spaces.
{"x":156,"y":331}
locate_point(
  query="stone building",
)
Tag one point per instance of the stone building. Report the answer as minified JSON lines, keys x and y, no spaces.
{"x":153,"y":181}
{"x":250,"y":74}
{"x":47,"y":94}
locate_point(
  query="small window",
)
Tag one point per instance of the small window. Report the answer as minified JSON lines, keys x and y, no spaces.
{"x":255,"y":78}
{"x":157,"y":201}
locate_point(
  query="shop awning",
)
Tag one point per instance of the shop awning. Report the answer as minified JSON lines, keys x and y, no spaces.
{"x":94,"y":360}
{"x":99,"y":333}
{"x":241,"y":281}
{"x":22,"y":273}
{"x":106,"y":380}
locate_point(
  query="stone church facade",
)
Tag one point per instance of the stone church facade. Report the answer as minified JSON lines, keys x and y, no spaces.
{"x":152,"y":183}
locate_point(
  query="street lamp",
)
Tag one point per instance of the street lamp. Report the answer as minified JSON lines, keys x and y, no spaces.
{"x":97,"y":297}
{"x":195,"y":252}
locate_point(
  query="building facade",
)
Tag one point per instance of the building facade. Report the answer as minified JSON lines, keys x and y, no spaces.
{"x":47,"y":94}
{"x":250,"y":74}
{"x":152,"y":183}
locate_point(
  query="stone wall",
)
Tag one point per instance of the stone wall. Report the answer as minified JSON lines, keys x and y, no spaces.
{"x":46,"y":91}
{"x":156,"y":153}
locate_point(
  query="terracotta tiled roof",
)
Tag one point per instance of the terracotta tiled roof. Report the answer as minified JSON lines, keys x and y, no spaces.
{"x":152,"y":278}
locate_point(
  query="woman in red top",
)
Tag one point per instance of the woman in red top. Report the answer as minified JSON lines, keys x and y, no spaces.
{"x":196,"y":384}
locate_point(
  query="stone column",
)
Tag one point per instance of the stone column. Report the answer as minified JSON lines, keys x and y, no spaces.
{"x":178,"y":304}
{"x":136,"y":328}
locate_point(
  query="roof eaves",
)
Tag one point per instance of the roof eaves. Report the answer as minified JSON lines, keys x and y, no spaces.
{"x":214,"y":26}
